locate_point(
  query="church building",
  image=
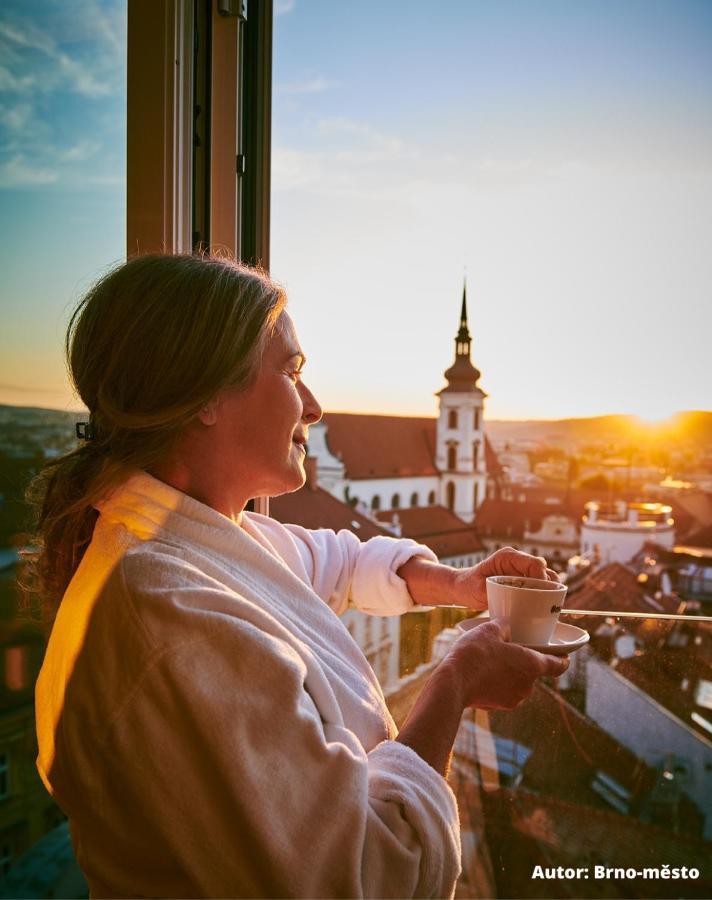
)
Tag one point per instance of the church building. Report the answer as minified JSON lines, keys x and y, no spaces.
{"x":388,"y":466}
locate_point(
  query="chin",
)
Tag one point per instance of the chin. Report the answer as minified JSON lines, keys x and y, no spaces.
{"x":290,"y":483}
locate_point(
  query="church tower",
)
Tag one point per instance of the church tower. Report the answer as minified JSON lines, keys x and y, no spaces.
{"x":460,"y":451}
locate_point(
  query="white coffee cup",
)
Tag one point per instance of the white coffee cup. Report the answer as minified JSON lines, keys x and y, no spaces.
{"x":531,"y":606}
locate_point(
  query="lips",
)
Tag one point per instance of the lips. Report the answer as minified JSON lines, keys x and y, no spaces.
{"x":301,"y":442}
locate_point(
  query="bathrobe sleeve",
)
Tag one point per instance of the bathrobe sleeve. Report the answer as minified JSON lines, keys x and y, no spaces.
{"x":220,"y":755}
{"x":347,"y":572}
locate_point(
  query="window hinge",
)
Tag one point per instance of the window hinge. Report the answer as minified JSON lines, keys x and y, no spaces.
{"x":240,"y":164}
{"x":229,"y":9}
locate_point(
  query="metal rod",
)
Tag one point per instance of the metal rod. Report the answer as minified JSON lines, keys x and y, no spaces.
{"x":612,"y":614}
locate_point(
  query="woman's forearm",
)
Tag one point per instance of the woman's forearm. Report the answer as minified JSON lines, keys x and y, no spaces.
{"x":433,"y":721}
{"x":430,"y":583}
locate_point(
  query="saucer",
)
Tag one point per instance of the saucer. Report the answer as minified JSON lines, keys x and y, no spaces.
{"x":565,"y":639}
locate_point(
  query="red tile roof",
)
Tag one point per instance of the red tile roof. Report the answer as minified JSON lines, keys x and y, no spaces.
{"x":317,"y":508}
{"x":492,"y":461}
{"x":382,"y":446}
{"x":617,"y":588}
{"x":438,"y":528}
{"x":700,"y":538}
{"x":510,"y":518}
{"x":373,"y":446}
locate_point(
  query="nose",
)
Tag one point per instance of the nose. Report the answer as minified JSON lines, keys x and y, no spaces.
{"x":311,"y":411}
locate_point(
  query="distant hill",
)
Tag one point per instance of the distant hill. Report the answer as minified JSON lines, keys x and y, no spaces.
{"x":35,"y":415}
{"x":694,"y":427}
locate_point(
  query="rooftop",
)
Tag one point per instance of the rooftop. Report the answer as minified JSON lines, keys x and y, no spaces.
{"x":441,"y":530}
{"x":373,"y":446}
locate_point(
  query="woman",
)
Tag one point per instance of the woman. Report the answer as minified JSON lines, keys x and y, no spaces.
{"x":204,"y":719}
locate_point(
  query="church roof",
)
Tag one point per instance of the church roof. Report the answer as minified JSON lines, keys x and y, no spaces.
{"x":461,"y":377}
{"x":382,"y":446}
{"x":373,"y":446}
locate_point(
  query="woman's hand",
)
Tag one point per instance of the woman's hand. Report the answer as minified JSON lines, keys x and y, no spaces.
{"x":483,"y":670}
{"x":488,"y":672}
{"x":470,"y":584}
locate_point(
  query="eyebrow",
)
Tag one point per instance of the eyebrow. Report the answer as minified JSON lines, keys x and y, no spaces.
{"x":299,"y":354}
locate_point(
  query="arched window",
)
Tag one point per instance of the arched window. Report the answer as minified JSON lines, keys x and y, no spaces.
{"x":452,"y":457}
{"x":451,"y":496}
{"x":395,"y":502}
{"x":414,"y":499}
{"x":475,"y":455}
{"x":476,"y":495}
{"x":452,"y":419}
{"x":476,"y":423}
{"x":375,"y":503}
{"x":431,"y":498}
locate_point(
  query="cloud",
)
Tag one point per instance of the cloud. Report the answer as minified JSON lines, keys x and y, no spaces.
{"x":364,"y":143}
{"x":18,"y":172}
{"x":55,"y":68}
{"x":282,"y":7}
{"x":16,"y":118}
{"x":64,"y":70}
{"x":350,"y":156}
{"x":310,"y":86}
{"x":10,"y":83}
{"x":80,"y":152}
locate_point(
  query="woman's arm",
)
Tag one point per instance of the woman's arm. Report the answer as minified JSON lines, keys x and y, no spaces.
{"x":483,"y":670}
{"x":433,"y":584}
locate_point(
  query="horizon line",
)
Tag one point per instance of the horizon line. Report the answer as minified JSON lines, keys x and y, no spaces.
{"x":533,"y":418}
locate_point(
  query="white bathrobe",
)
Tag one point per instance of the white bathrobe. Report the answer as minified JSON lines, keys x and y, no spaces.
{"x":211,"y":728}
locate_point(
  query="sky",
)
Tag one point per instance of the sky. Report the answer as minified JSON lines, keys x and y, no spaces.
{"x":558,"y":153}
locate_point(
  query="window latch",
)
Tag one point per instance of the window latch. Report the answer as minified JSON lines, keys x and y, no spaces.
{"x":229,"y":9}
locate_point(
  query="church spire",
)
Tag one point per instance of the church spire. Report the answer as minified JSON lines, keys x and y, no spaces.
{"x":462,"y":375}
{"x":464,"y":331}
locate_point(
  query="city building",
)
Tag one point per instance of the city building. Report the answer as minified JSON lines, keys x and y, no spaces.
{"x":617,"y":531}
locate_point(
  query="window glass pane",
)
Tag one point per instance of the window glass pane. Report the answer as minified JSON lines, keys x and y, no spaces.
{"x":62,"y":223}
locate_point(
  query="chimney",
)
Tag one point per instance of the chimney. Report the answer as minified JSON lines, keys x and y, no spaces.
{"x":311,"y":469}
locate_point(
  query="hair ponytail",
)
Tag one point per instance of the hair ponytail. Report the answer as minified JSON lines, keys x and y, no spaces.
{"x":147,"y":347}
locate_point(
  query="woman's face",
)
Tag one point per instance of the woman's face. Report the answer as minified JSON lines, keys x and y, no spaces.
{"x":259,"y":435}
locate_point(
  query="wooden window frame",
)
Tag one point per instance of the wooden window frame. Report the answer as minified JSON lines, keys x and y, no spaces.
{"x":214,"y":198}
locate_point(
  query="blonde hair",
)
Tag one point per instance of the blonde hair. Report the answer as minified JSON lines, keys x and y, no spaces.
{"x":149,"y":345}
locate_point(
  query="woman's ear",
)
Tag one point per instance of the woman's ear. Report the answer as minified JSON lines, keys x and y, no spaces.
{"x":208,"y":415}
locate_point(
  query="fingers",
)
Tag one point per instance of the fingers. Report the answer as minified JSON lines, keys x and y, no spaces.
{"x":495,"y":628}
{"x":509,"y":561}
{"x":553,"y":666}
